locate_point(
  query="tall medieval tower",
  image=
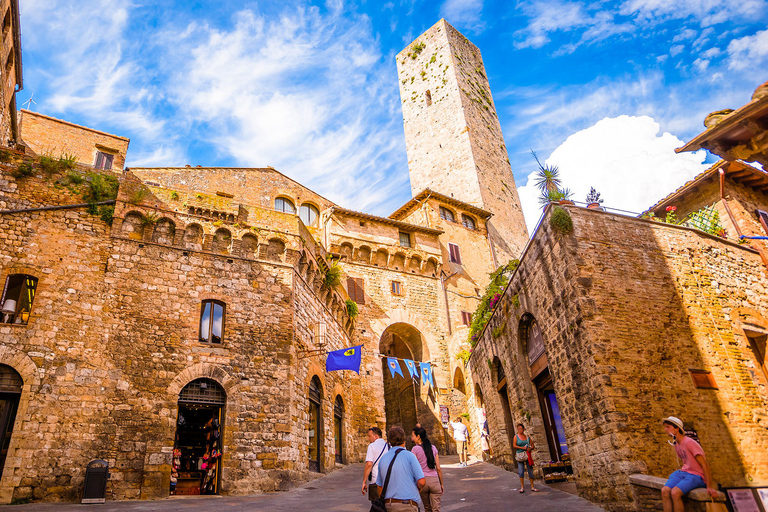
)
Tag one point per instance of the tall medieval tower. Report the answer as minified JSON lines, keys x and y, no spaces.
{"x":452,"y":133}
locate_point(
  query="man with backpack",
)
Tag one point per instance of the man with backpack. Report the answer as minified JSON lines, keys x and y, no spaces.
{"x":400,"y":476}
{"x":376,"y":449}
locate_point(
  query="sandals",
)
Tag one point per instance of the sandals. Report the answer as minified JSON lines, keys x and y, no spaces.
{"x":522,"y":491}
{"x":534,"y":490}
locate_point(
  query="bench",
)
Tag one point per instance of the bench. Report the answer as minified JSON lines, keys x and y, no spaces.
{"x":646,"y":491}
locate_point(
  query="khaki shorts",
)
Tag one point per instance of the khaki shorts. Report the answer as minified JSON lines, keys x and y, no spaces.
{"x":461,"y":446}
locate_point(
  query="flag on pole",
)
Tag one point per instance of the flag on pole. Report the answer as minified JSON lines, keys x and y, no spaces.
{"x":344,"y":359}
{"x":426,"y":374}
{"x":414,"y":373}
{"x":394,"y":367}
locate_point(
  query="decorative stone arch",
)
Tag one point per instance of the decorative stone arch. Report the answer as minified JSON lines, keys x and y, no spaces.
{"x":315,"y":370}
{"x":164,"y":231}
{"x":275,"y":249}
{"x":249,"y":246}
{"x":396,"y":316}
{"x":132,"y":226}
{"x":222,"y":241}
{"x":346,"y":249}
{"x":193,"y":237}
{"x":27,"y":369}
{"x":459,"y":382}
{"x":381,"y":258}
{"x":414,"y":265}
{"x":364,"y":254}
{"x":398,"y":261}
{"x":198,"y":371}
{"x":431,"y":267}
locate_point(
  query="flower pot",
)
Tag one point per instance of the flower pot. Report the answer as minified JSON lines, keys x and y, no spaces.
{"x":715,"y":117}
{"x":566,"y":202}
{"x":594,"y":206}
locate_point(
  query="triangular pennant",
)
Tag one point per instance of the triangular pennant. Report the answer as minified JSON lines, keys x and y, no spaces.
{"x":426,"y":374}
{"x":394,"y":367}
{"x":412,"y":370}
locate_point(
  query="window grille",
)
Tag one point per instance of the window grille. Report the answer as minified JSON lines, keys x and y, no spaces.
{"x":315,"y":392}
{"x":203,"y":391}
{"x":405,"y":239}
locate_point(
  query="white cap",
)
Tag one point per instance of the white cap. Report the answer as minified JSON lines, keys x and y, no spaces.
{"x":675,"y":421}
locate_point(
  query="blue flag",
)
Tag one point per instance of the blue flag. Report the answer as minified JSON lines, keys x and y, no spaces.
{"x":412,"y":368}
{"x":426,"y":374}
{"x":344,"y":359}
{"x":394,"y":366}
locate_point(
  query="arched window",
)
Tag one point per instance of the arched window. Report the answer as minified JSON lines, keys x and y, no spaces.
{"x":338,"y":428}
{"x":308,"y":214}
{"x":17,"y":298}
{"x":212,"y":321}
{"x":447,"y":214}
{"x":468,"y":221}
{"x":534,"y":340}
{"x":284,"y":205}
{"x":315,"y":424}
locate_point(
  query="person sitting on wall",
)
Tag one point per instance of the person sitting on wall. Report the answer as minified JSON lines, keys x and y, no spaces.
{"x":694,"y":473}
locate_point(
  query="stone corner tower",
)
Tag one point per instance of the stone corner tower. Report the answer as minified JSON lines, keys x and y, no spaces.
{"x":452,"y":133}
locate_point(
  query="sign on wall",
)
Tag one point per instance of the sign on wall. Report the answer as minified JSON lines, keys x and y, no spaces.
{"x":444,"y":416}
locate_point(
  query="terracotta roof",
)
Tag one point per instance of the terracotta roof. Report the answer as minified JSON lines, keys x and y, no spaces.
{"x":730,"y":128}
{"x":738,"y":171}
{"x":426,"y":193}
{"x":389,"y":221}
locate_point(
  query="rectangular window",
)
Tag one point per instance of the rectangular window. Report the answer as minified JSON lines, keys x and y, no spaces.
{"x":454,"y":255}
{"x":103,"y":160}
{"x":355,"y":289}
{"x":703,"y":379}
{"x":405,"y":239}
{"x":17,"y":298}
{"x":466,"y":318}
{"x":211,"y":321}
{"x":763,"y":217}
{"x":397,"y":288}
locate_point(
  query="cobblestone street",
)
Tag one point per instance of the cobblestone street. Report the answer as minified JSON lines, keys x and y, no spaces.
{"x":480,"y":487}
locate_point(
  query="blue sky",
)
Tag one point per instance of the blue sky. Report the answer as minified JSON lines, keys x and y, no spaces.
{"x":605,"y":90}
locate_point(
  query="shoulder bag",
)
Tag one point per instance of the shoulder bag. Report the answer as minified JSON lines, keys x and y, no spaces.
{"x":370,"y":475}
{"x":520,"y":456}
{"x":379,"y":504}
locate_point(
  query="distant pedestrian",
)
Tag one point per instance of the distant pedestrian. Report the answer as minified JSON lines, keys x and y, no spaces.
{"x":406,"y":477}
{"x":460,"y":435}
{"x":524,"y":445}
{"x":693,"y":474}
{"x":484,"y":441}
{"x":376,"y":449}
{"x":426,"y":452}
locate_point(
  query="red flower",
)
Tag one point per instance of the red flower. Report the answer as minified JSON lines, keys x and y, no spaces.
{"x":671,"y":208}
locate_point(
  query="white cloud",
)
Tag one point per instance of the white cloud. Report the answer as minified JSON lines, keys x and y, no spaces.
{"x":707,"y":12}
{"x":464,"y":14}
{"x":748,"y":51}
{"x":625,"y":159}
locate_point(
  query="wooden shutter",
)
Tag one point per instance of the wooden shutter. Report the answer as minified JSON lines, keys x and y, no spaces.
{"x":355,"y":289}
{"x":454,"y":254}
{"x":466,"y":318}
{"x":763,"y":216}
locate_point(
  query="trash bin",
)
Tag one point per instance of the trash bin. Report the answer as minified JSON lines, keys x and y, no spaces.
{"x":95,"y":487}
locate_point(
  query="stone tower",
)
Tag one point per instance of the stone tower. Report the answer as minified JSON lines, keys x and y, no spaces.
{"x":452,"y":133}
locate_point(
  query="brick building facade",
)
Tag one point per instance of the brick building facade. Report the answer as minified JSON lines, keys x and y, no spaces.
{"x":11,"y":72}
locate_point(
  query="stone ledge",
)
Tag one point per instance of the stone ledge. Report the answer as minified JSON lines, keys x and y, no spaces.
{"x":654,"y":482}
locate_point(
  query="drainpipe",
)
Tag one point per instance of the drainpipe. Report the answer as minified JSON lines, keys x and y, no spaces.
{"x":733,"y":219}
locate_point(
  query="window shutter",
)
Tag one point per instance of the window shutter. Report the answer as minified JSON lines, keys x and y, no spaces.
{"x":466,"y":318}
{"x":352,"y":288}
{"x":454,"y":254}
{"x":360,"y":293}
{"x":763,"y":220}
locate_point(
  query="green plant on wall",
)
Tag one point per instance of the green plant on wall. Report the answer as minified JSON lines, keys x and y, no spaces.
{"x":138,"y":196}
{"x":516,"y":300}
{"x":332,"y":276}
{"x":463,"y":356}
{"x":560,"y":221}
{"x":149,"y":219}
{"x":498,"y":331}
{"x":352,"y":309}
{"x":23,"y":170}
{"x":175,"y":195}
{"x":101,"y":187}
{"x":492,"y":295}
{"x":416,"y":49}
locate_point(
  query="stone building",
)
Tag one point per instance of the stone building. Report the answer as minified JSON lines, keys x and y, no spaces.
{"x":613,"y":322}
{"x":12,"y":79}
{"x":193,"y":319}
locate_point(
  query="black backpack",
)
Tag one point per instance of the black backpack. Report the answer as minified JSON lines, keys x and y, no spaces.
{"x":379,"y":504}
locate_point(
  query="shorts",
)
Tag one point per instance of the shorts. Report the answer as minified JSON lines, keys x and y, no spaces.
{"x":461,"y":446}
{"x":521,"y":469}
{"x":685,"y":481}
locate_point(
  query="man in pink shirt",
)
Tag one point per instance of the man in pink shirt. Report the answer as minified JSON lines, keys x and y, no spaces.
{"x":693,"y":474}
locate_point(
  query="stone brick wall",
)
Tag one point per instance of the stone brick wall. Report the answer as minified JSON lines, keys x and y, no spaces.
{"x":626,"y":307}
{"x":9,"y":72}
{"x":453,"y":136}
{"x":45,"y":135}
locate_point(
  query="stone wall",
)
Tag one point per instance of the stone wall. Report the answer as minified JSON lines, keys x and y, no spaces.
{"x":10,"y":72}
{"x":626,"y":307}
{"x":45,"y":135}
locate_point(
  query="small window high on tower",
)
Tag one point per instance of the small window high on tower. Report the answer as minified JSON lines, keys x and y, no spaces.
{"x":429,"y":98}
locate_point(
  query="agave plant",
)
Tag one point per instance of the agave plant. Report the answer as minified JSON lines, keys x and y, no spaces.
{"x":594,"y":196}
{"x":549,"y":183}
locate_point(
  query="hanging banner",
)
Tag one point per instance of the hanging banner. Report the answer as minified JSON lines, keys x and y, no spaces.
{"x":414,"y":373}
{"x":426,"y":374}
{"x":394,"y":367}
{"x":344,"y":359}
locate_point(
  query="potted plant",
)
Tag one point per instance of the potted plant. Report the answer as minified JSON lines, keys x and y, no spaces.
{"x":548,"y":181}
{"x":594,"y":200}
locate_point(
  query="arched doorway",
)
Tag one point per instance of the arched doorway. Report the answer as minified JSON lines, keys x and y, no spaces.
{"x":533,"y":342}
{"x":10,"y":392}
{"x":315,"y":424}
{"x":338,"y":428}
{"x":500,"y":380}
{"x":198,"y":444}
{"x":406,"y":401}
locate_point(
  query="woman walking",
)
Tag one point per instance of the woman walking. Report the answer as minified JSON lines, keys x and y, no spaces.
{"x":523,"y":445}
{"x":430,"y":464}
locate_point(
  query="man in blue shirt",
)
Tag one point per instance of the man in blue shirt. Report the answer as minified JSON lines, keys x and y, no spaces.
{"x":407,"y":477}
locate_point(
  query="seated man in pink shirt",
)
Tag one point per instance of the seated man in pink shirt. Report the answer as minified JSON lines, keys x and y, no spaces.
{"x":693,"y":474}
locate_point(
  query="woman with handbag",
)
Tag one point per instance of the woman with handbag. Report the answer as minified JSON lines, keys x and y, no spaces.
{"x":426,"y":452}
{"x":523,"y":445}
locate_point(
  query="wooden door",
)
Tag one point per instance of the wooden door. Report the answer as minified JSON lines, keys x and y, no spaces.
{"x":9,"y":403}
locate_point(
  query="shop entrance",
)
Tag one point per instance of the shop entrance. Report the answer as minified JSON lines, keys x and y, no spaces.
{"x":198,"y":446}
{"x":338,"y":429}
{"x":315,"y":425}
{"x":10,"y":392}
{"x":553,"y":425}
{"x":501,"y":387}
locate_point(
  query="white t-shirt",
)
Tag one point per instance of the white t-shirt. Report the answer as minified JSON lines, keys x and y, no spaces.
{"x":374,"y":450}
{"x":460,"y":431}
